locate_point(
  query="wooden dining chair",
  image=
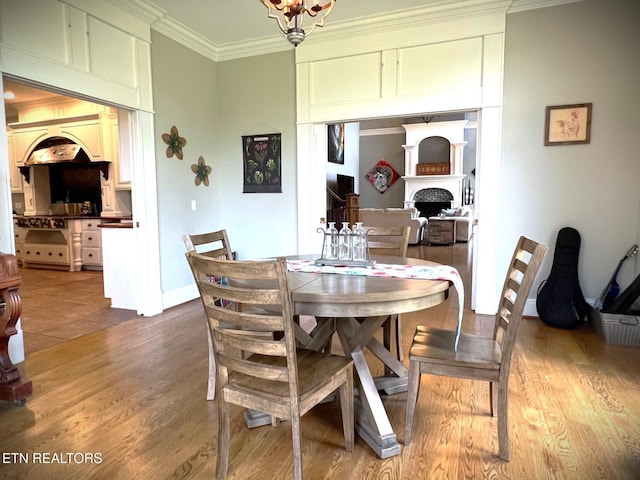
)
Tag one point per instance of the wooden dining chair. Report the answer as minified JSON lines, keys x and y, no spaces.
{"x":392,"y":241}
{"x":216,"y":245}
{"x":478,"y":357}
{"x":273,"y":376}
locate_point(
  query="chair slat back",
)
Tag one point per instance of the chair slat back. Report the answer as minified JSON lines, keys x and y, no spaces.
{"x":213,"y":244}
{"x":391,"y":241}
{"x":264,"y":329}
{"x":525,"y":262}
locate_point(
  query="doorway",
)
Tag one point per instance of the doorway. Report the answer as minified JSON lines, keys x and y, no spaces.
{"x":368,"y":141}
{"x":66,"y":301}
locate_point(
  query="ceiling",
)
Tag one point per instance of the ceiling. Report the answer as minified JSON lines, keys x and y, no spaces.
{"x":248,"y":18}
{"x":226,"y":30}
{"x":241,"y":20}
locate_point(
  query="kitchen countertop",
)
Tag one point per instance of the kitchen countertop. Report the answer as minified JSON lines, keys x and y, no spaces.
{"x":126,"y":224}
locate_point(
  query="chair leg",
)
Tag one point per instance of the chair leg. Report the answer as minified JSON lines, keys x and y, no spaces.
{"x":386,"y":340}
{"x":211,"y":383}
{"x":222,"y":462}
{"x":346,"y":407}
{"x":391,"y":327}
{"x":503,"y":422}
{"x":493,"y":398}
{"x":412,"y":399}
{"x":398,"y":323}
{"x":297,"y":447}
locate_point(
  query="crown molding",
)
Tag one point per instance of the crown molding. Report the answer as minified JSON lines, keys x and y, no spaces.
{"x":159,"y":20}
{"x":523,"y":5}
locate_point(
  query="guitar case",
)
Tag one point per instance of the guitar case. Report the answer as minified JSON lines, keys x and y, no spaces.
{"x":560,"y":302}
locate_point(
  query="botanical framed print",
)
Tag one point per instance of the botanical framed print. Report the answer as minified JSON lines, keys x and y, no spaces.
{"x":335,"y":135}
{"x":568,"y":124}
{"x":262,"y":162}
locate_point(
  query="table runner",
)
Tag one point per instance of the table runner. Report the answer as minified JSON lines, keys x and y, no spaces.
{"x":384,"y":270}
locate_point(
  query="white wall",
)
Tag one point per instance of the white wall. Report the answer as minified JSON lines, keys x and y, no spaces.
{"x":577,"y":53}
{"x":259,"y":224}
{"x":185,"y":95}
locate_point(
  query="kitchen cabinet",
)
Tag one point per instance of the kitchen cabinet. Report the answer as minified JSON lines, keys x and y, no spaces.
{"x":19,"y":235}
{"x":91,"y":242}
{"x":46,"y":247}
{"x":25,"y":137}
{"x":98,"y":134}
{"x":14,"y":174}
{"x":37,"y":192}
{"x":93,"y":132}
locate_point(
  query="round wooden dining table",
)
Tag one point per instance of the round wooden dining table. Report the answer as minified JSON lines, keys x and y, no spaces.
{"x":355,"y":307}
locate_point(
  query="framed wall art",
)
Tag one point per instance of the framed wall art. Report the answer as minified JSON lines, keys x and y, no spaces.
{"x":335,"y":135}
{"x":261,"y":155}
{"x":382,"y":176}
{"x":568,"y":124}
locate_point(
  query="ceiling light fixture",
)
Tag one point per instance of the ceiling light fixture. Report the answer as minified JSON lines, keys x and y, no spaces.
{"x":290,"y":15}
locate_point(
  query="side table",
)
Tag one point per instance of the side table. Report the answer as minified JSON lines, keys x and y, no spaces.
{"x":441,"y":231}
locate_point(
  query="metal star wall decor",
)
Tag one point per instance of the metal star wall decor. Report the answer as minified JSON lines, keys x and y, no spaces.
{"x":202,"y":171}
{"x":175,"y":143}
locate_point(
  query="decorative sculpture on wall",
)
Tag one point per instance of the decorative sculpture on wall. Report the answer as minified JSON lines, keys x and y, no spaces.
{"x":175,"y":143}
{"x":382,"y":176}
{"x":202,"y":171}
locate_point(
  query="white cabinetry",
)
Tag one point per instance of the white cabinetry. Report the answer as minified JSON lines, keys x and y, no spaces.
{"x":46,"y":248}
{"x":14,"y":174}
{"x":91,"y":244}
{"x":96,"y":133}
{"x":19,"y":234}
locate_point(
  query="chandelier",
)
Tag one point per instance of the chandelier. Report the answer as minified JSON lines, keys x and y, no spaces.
{"x":290,"y":15}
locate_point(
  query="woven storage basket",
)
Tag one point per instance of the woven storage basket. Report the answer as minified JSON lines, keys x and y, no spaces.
{"x":618,"y":329}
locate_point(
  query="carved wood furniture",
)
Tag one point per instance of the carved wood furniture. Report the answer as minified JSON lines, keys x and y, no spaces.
{"x":273,"y":376}
{"x":215,"y":245}
{"x":12,"y":387}
{"x":477,"y":357}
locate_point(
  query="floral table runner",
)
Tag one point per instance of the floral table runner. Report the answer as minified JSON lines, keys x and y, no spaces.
{"x":436,"y":272}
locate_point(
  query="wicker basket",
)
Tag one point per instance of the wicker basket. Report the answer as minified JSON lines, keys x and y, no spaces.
{"x":618,"y":329}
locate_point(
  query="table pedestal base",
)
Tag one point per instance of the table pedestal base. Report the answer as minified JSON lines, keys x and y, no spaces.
{"x":386,"y":445}
{"x":390,"y":384}
{"x":254,"y":418}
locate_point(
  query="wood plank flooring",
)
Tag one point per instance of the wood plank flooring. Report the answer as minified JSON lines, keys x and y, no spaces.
{"x":128,"y":401}
{"x":60,"y":305}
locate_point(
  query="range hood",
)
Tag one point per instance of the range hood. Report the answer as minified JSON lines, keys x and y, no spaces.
{"x":60,"y":150}
{"x":65,"y":153}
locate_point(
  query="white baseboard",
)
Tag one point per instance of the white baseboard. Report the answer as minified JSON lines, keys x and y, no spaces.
{"x":530,"y":309}
{"x":179,"y":296}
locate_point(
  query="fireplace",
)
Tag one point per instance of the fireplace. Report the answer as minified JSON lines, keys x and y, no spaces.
{"x":417,"y":139}
{"x":430,"y":201}
{"x":431,"y":209}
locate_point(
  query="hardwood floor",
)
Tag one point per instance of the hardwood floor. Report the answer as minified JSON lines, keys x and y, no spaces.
{"x":60,"y":305}
{"x":128,"y":401}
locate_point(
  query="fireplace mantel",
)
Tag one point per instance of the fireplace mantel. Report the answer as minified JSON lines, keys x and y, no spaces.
{"x":416,"y":133}
{"x":452,"y":183}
